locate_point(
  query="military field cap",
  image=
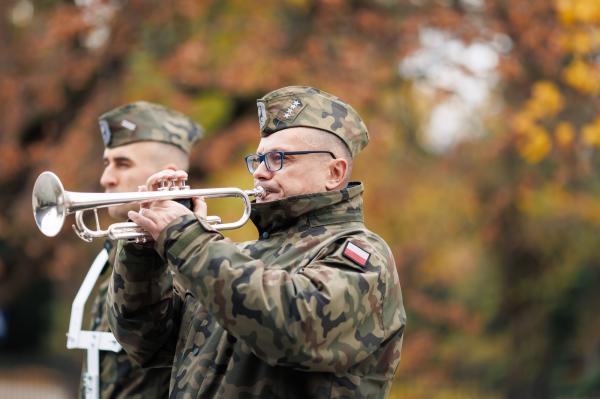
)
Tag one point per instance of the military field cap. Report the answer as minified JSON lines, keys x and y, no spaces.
{"x":303,"y":106}
{"x":144,"y":121}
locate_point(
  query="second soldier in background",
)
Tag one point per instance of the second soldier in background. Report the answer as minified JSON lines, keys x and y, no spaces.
{"x":140,"y":139}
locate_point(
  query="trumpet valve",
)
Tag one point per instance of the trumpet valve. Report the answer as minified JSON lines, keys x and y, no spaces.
{"x":173,"y":184}
{"x":163,"y":185}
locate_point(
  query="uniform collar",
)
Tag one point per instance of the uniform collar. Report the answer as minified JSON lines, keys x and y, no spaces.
{"x":309,"y":209}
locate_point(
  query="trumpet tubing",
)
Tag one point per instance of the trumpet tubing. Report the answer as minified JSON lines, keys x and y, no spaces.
{"x":52,"y":203}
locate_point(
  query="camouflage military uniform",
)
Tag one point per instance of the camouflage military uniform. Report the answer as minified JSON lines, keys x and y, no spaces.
{"x":119,"y":377}
{"x":127,"y":124}
{"x":286,"y":316}
{"x":312,"y":309}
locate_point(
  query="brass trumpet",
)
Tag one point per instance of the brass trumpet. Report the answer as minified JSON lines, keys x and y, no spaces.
{"x":52,"y":203}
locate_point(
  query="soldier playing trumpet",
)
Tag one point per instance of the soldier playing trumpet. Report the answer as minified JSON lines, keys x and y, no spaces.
{"x":312,"y":309}
{"x":140,"y":139}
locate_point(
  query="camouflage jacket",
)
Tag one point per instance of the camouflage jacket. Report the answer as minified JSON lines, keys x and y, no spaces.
{"x":294,"y":314}
{"x":119,"y":376}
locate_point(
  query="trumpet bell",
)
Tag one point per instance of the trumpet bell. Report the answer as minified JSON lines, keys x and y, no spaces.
{"x":47,"y":201}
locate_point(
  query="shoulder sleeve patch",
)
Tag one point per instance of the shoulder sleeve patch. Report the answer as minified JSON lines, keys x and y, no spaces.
{"x":356,"y":254}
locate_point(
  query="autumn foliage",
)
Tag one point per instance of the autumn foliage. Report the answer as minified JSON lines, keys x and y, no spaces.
{"x":494,"y":236}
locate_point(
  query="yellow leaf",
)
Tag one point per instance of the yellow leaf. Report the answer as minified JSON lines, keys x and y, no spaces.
{"x":587,"y":11}
{"x":548,"y":96}
{"x":564,"y":134}
{"x":582,"y":76}
{"x":535,"y":146}
{"x":591,"y":134}
{"x":565,"y":11}
{"x":581,"y":42}
{"x":523,"y":122}
{"x":573,"y":11}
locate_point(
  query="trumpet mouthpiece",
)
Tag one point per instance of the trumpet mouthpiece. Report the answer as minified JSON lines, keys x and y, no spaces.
{"x":259,"y":191}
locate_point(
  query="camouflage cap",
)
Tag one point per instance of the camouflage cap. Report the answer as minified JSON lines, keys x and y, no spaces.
{"x":144,"y":121}
{"x":303,"y":106}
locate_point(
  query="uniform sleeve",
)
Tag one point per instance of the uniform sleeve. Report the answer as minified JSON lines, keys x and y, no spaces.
{"x":325,"y":315}
{"x":143,"y":310}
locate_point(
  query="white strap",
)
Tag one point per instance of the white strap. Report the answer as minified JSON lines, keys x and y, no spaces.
{"x":93,"y":341}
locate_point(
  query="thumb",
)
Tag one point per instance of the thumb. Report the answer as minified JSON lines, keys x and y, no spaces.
{"x":200,"y":207}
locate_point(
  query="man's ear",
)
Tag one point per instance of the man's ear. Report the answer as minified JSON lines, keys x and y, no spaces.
{"x":338,"y":168}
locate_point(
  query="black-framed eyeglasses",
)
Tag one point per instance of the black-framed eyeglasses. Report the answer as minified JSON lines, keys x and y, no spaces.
{"x":274,"y":159}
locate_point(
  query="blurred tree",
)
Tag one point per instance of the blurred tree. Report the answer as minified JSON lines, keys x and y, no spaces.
{"x":535,"y":181}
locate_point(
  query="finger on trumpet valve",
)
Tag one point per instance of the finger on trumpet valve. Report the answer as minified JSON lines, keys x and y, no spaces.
{"x":163,"y":185}
{"x":173,"y":183}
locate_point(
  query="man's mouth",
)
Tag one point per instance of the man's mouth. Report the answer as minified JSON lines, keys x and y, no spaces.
{"x":265,"y":188}
{"x":267,"y":192}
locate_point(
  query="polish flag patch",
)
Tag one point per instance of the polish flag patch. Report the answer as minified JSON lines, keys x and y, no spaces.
{"x":356,"y":254}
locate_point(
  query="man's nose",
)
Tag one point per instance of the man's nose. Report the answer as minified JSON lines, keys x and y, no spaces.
{"x":108,"y":178}
{"x":261,"y":172}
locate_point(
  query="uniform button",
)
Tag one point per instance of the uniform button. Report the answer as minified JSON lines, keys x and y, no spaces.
{"x":196,"y":351}
{"x":265,"y":234}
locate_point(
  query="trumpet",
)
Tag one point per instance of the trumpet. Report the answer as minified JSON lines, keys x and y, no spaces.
{"x":52,"y":203}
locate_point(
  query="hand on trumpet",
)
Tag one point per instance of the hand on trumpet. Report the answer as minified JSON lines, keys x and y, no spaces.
{"x":154,"y":216}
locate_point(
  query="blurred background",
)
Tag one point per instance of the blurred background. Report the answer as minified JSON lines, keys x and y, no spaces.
{"x":482,"y":171}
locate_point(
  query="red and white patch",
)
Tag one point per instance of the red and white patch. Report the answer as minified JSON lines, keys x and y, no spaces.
{"x":356,"y":254}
